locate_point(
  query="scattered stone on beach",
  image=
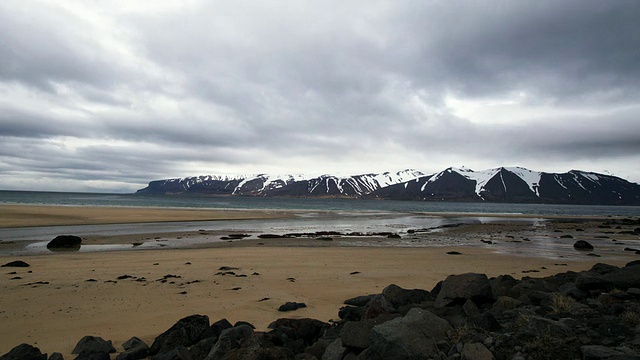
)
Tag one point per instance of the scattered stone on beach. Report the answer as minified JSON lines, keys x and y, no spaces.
{"x":65,"y":242}
{"x":227,"y":268}
{"x":566,"y":237}
{"x":17,"y":263}
{"x":291,"y":306}
{"x":454,"y":253}
{"x":271,"y":236}
{"x":582,"y":245}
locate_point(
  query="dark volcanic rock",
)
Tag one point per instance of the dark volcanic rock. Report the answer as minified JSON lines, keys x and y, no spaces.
{"x":93,"y":344}
{"x":185,"y":332}
{"x":582,"y":245}
{"x":291,"y":306}
{"x":398,"y":296}
{"x":456,"y":289}
{"x":65,"y":242}
{"x":56,"y":356}
{"x":306,"y":329}
{"x":17,"y":263}
{"x":24,"y":352}
{"x":414,"y":336}
{"x":229,"y":340}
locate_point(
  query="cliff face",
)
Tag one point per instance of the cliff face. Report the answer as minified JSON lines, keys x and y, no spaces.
{"x":504,"y":184}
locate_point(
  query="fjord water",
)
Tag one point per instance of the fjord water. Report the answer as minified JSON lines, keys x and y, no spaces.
{"x":278,"y":203}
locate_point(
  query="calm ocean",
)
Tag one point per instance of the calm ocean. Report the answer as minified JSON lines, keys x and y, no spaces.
{"x":237,"y":202}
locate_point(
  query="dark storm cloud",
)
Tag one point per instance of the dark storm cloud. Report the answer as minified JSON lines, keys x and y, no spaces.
{"x":125,"y":93}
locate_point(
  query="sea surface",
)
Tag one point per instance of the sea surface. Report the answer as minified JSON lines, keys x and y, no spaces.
{"x":343,"y":215}
{"x":278,"y":203}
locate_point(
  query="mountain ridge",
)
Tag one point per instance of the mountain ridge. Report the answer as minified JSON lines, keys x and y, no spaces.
{"x":501,"y":184}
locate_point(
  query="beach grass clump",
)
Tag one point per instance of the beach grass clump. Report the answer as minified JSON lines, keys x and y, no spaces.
{"x":561,"y":303}
{"x":630,"y":318}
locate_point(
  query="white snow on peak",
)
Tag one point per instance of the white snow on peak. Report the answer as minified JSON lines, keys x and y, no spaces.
{"x":591,"y":176}
{"x":480,"y":177}
{"x":532,"y":178}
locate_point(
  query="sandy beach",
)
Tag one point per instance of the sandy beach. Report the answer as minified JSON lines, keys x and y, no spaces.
{"x":62,"y":297}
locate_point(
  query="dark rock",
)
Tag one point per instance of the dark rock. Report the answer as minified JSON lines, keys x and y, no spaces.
{"x":93,"y":344}
{"x":476,"y":351}
{"x":202,"y":348}
{"x":177,"y":353}
{"x":357,"y":334}
{"x":93,"y":356}
{"x":484,"y":321}
{"x":359,"y":300}
{"x":56,"y":356}
{"x":454,"y":253}
{"x":308,"y":330}
{"x":220,"y":325}
{"x":398,"y":296}
{"x":599,"y":352}
{"x":24,"y":352}
{"x":351,"y":313}
{"x":414,"y":336}
{"x":185,"y":332}
{"x":335,"y":351}
{"x":238,"y":323}
{"x":459,"y":288}
{"x":291,"y":306}
{"x":133,"y":343}
{"x":582,"y":245}
{"x":17,"y":263}
{"x":230,"y":339}
{"x":624,"y":278}
{"x":566,"y":237}
{"x":377,"y":306}
{"x":134,"y":353}
{"x":69,"y":242}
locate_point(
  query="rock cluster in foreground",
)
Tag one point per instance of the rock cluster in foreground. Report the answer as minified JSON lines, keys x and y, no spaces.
{"x":588,"y":315}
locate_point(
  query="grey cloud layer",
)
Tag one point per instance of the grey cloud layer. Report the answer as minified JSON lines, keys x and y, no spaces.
{"x":319,"y":86}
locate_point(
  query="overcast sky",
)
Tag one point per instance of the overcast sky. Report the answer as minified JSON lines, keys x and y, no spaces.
{"x":108,"y":95}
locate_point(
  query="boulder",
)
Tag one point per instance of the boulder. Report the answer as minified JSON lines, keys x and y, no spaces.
{"x":202,"y":348}
{"x":592,"y":281}
{"x":456,"y":289}
{"x":230,"y":339}
{"x":17,"y":263}
{"x":185,"y":332}
{"x":291,"y":306}
{"x":93,"y":344}
{"x":135,"y":349}
{"x":177,"y":353}
{"x":599,"y":352}
{"x":398,"y":296}
{"x":56,"y":356}
{"x":220,"y":325}
{"x":476,"y":351}
{"x":24,"y":352}
{"x":357,"y":334}
{"x":134,"y":342}
{"x":624,"y":278}
{"x":359,"y":300}
{"x":413,"y":336}
{"x":335,"y":351}
{"x":93,"y":356}
{"x":582,"y":245}
{"x":65,"y":242}
{"x":308,"y":330}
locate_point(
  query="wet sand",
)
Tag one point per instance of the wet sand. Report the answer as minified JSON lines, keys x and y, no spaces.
{"x":29,"y":215}
{"x":62,"y":297}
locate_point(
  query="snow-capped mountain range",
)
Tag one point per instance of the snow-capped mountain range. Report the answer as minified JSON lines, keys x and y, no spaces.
{"x":503,"y":184}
